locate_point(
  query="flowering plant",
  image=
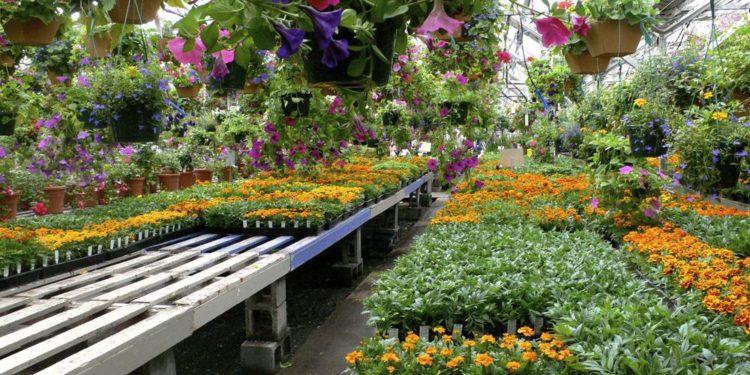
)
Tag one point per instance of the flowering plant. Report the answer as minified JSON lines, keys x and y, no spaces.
{"x":62,"y":57}
{"x":184,"y":75}
{"x":11,"y":98}
{"x":635,"y":12}
{"x":632,"y":194}
{"x":550,"y":82}
{"x":734,"y":60}
{"x":649,"y":125}
{"x":23,"y":10}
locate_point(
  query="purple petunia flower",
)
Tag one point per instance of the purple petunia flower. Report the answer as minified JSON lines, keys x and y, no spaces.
{"x":324,"y":23}
{"x":594,"y":203}
{"x":432,"y":165}
{"x":626,"y":169}
{"x":478,"y":184}
{"x":291,"y":39}
{"x":337,"y":51}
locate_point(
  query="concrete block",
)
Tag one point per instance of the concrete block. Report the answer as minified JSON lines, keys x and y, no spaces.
{"x":266,"y":323}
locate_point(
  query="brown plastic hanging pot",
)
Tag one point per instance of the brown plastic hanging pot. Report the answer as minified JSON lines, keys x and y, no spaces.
{"x":188,"y":91}
{"x":55,"y":199}
{"x":613,"y":38}
{"x":584,"y":63}
{"x":32,"y":32}
{"x":7,"y":60}
{"x":134,"y":12}
{"x":99,"y":45}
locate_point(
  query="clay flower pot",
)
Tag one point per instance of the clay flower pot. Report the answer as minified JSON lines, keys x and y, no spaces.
{"x":10,"y":201}
{"x":32,"y":32}
{"x":226,"y":174}
{"x":189,"y":91}
{"x":99,"y":45}
{"x":135,"y":12}
{"x":613,"y":38}
{"x":187,"y":179}
{"x":586,"y":64}
{"x":203,"y":175}
{"x":55,"y":199}
{"x":135,"y":186}
{"x":7,"y":60}
{"x":169,"y":181}
{"x":84,"y":200}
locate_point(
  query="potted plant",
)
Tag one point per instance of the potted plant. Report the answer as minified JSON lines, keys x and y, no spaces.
{"x":454,"y":98}
{"x":169,"y":166}
{"x":60,"y":59}
{"x":731,"y":70}
{"x":134,"y":12}
{"x":186,"y":80}
{"x":187,"y":164}
{"x":550,"y":82}
{"x":617,"y":26}
{"x":8,"y":196}
{"x":31,"y":22}
{"x":131,"y":99}
{"x":11,"y":98}
{"x":99,"y":41}
{"x":648,"y":126}
{"x":9,"y":53}
{"x":208,"y":164}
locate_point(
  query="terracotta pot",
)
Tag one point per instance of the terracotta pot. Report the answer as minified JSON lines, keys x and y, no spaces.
{"x":187,"y":179}
{"x":52,"y":75}
{"x":226,"y":174}
{"x":152,"y":188}
{"x":169,"y":181}
{"x":613,"y":38}
{"x":135,"y":186}
{"x":189,"y":91}
{"x":55,"y":199}
{"x":101,"y":197}
{"x":33,"y":32}
{"x":744,"y":99}
{"x":99,"y":45}
{"x":7,"y":60}
{"x":10,"y":201}
{"x":134,"y":11}
{"x":203,"y":175}
{"x":251,"y":88}
{"x":89,"y":200}
{"x":586,"y":64}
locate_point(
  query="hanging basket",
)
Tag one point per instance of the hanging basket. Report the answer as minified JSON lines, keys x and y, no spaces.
{"x":135,"y":126}
{"x":296,"y":103}
{"x":744,"y":99}
{"x":7,"y":123}
{"x":7,"y":60}
{"x":99,"y":45}
{"x":613,"y":38}
{"x":584,"y":63}
{"x":458,"y":111}
{"x":650,"y":146}
{"x":189,"y":91}
{"x":134,"y":12}
{"x":385,"y":39}
{"x":32,"y":32}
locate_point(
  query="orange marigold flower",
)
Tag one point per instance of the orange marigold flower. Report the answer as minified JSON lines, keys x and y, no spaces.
{"x":455,"y":362}
{"x":439,"y":330}
{"x":484,"y":360}
{"x":446,"y":352}
{"x":431,"y":350}
{"x":389,"y":357}
{"x":424,"y":360}
{"x":487,"y":339}
{"x":391,"y":369}
{"x":526,"y":331}
{"x":469,"y":343}
{"x":529,"y":356}
{"x":353,"y":357}
{"x":512,"y":366}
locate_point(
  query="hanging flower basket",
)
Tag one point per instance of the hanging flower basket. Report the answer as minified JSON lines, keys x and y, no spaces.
{"x":135,"y":126}
{"x":7,"y":123}
{"x":55,"y":199}
{"x":297,"y":102}
{"x":189,"y":91}
{"x":744,"y":99}
{"x":458,"y":111}
{"x":650,"y":146}
{"x":234,"y":80}
{"x":613,"y":38}
{"x":99,"y":45}
{"x":385,"y":38}
{"x":729,"y":165}
{"x":584,"y":63}
{"x":7,"y":60}
{"x":135,"y":12}
{"x":32,"y":32}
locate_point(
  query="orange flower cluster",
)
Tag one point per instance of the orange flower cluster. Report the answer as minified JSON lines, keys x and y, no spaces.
{"x":286,"y":213}
{"x":705,"y":208}
{"x":556,"y":215}
{"x":694,"y":264}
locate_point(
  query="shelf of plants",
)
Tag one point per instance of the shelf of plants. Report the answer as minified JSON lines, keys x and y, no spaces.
{"x":164,"y":160}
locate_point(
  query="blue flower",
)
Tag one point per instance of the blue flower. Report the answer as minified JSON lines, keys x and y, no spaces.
{"x":291,"y":39}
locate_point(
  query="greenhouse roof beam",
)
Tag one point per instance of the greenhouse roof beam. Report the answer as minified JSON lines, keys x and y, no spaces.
{"x":685,"y":19}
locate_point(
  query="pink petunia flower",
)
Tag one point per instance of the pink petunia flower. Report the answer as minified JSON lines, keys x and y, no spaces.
{"x":554,"y":32}
{"x":580,"y":25}
{"x":438,"y":19}
{"x":626,"y":169}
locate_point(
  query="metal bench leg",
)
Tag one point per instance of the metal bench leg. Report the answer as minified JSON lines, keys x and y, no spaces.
{"x":268,"y":338}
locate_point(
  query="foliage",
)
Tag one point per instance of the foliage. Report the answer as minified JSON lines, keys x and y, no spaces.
{"x":550,"y":82}
{"x":634,"y":11}
{"x":23,"y":10}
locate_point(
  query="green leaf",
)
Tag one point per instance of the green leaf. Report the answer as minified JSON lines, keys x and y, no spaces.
{"x":356,"y":67}
{"x":243,"y":56}
{"x":210,"y":35}
{"x":263,"y":36}
{"x":349,"y":18}
{"x":380,"y":54}
{"x":396,"y":12}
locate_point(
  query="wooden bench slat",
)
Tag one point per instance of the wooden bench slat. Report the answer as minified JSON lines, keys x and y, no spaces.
{"x":9,"y":303}
{"x":29,"y":312}
{"x":195,"y":241}
{"x":206,"y":247}
{"x":132,"y":291}
{"x":243,"y":245}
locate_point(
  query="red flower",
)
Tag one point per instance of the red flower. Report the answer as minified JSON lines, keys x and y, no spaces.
{"x":553,"y":31}
{"x":530,"y":59}
{"x":39,"y":209}
{"x":503,"y":56}
{"x":322,"y":4}
{"x":564,"y":4}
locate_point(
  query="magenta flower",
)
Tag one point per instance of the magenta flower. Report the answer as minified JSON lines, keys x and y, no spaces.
{"x":580,"y":25}
{"x":322,"y":4}
{"x":478,"y":184}
{"x":594,"y":203}
{"x":83,"y":81}
{"x":61,"y":79}
{"x":438,"y":19}
{"x":3,"y":42}
{"x":553,"y":31}
{"x":444,"y":112}
{"x":220,"y":68}
{"x":503,"y":57}
{"x":177,"y":47}
{"x":432,"y":165}
{"x":396,"y":67}
{"x":648,"y":212}
{"x":441,"y":44}
{"x":468,"y":143}
{"x":461,"y":79}
{"x":626,"y":169}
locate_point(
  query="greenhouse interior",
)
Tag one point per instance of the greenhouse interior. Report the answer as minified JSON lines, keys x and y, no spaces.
{"x":315,"y":187}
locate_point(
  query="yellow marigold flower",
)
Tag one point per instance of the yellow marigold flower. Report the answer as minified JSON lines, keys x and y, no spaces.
{"x":487,"y":339}
{"x":407,"y":346}
{"x":719,"y":116}
{"x":455,"y":362}
{"x":708,"y":95}
{"x":424,"y":360}
{"x":391,"y":369}
{"x":354,"y":357}
{"x":526,"y":331}
{"x":602,"y":131}
{"x":545,"y":336}
{"x":390,"y":357}
{"x":132,"y":71}
{"x":529,"y":356}
{"x":558,"y":343}
{"x":446,"y":352}
{"x":412,"y":338}
{"x":640,"y":102}
{"x":447,"y":338}
{"x":469,"y":343}
{"x":512,"y":366}
{"x":525,"y":345}
{"x":439,"y":330}
{"x":431,"y":350}
{"x":483,"y":360}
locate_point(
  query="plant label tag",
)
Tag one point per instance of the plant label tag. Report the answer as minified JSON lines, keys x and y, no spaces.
{"x":458,"y":330}
{"x":140,"y":236}
{"x":244,"y":224}
{"x":99,"y":249}
{"x":44,"y":261}
{"x":6,"y":271}
{"x":69,"y":255}
{"x":257,"y":224}
{"x":18,"y":267}
{"x":270,"y":224}
{"x":538,"y":325}
{"x":512,"y":326}
{"x":424,"y":333}
{"x":57,"y":257}
{"x":393,"y":333}
{"x":91,"y":250}
{"x":283,"y":224}
{"x":111,"y":244}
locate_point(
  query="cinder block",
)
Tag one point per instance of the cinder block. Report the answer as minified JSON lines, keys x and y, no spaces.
{"x":347,"y":274}
{"x":260,"y":357}
{"x":271,"y":296}
{"x":266,"y":323}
